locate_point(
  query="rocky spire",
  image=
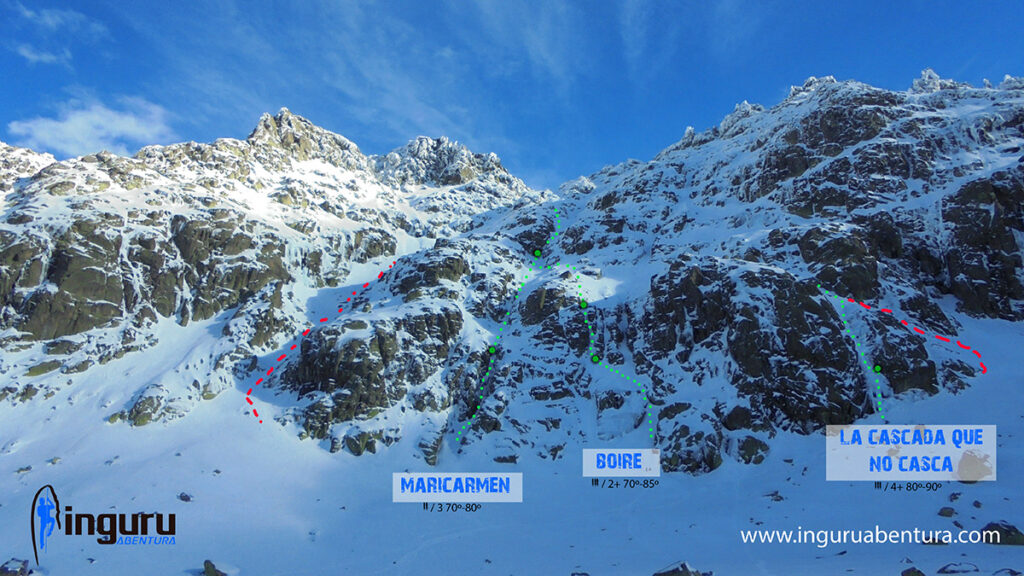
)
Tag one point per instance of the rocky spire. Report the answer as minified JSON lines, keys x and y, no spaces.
{"x":437,"y":161}
{"x":304,"y":140}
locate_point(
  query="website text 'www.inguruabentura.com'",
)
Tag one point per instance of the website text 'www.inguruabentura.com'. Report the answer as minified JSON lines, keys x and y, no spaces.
{"x":823,"y":538}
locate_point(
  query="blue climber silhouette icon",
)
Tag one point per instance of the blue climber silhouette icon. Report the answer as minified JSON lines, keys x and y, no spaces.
{"x":45,"y":509}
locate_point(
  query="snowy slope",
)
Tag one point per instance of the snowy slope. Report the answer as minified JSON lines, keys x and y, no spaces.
{"x":185,"y":272}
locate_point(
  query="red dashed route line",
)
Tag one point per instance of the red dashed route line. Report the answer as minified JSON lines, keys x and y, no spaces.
{"x":923,"y":333}
{"x":248,"y":395}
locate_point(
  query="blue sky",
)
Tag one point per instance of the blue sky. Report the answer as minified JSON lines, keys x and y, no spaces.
{"x":556,"y":89}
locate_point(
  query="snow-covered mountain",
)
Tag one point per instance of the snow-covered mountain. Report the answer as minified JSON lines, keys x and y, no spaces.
{"x":426,"y":309}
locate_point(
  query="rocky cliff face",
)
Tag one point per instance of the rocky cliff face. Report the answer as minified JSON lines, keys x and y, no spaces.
{"x":705,"y":272}
{"x":97,"y":251}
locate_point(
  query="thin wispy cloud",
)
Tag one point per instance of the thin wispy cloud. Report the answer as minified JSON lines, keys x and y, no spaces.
{"x":45,"y":36}
{"x":86,"y":127}
{"x":549,"y":39}
{"x":633,"y":30}
{"x":36,"y":56}
{"x":392,"y":76}
{"x":732,"y":26}
{"x":60,"y":20}
{"x":228,"y":70}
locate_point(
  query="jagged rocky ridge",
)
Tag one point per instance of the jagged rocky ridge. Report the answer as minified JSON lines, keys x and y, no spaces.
{"x":701,"y":265}
{"x":97,"y":251}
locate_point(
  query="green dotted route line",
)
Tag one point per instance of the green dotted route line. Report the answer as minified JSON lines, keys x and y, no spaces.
{"x":876,"y":369}
{"x":534,"y":266}
{"x":594,"y":357}
{"x":493,"y":348}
